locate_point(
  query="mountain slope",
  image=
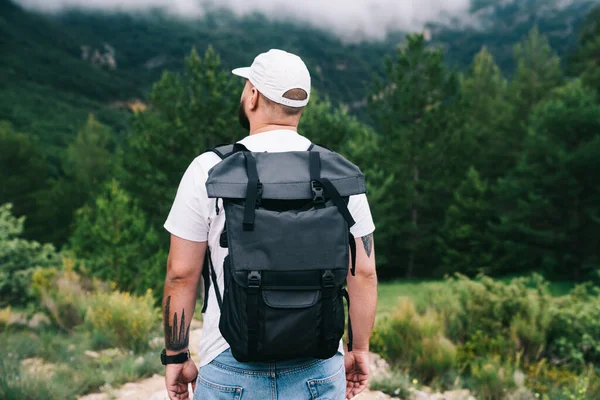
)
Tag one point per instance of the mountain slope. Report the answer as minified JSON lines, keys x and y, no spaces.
{"x":56,"y":69}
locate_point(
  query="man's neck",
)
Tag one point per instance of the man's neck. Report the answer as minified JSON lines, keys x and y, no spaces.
{"x":273,"y":127}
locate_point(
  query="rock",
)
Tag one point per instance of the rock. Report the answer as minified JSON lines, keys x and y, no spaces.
{"x":39,"y":320}
{"x":458,"y":395}
{"x":92,"y":354}
{"x":157,"y":342}
{"x":378,"y":367}
{"x":16,"y":319}
{"x":139,"y":361}
{"x":111,"y":353}
{"x":162,"y":395}
{"x":521,"y":394}
{"x":37,"y":366}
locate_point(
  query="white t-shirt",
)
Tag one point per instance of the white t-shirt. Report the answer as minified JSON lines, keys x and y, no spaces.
{"x":193,"y":217}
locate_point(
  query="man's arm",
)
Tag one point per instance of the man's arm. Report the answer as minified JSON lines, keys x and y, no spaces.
{"x":184,"y":268}
{"x":362,"y":289}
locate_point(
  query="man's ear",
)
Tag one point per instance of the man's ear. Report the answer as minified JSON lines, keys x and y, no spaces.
{"x":253,"y":101}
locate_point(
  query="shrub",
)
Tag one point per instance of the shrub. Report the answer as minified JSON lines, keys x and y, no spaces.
{"x":414,"y":342}
{"x":491,"y":378}
{"x":124,"y":320}
{"x":4,"y":317}
{"x":18,"y":260}
{"x":117,"y":243}
{"x":62,"y":293}
{"x":575,"y":328}
{"x":520,"y":311}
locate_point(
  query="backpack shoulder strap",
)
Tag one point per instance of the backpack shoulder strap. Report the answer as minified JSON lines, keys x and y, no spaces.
{"x":319,"y":148}
{"x":208,"y":273}
{"x":225,"y":150}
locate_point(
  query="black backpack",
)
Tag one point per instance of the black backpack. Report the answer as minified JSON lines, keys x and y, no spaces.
{"x":287,"y":233}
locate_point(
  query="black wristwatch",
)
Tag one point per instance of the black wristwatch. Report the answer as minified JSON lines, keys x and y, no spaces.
{"x":176,"y":359}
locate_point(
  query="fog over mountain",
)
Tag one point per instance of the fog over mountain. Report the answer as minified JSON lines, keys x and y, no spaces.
{"x":355,"y":19}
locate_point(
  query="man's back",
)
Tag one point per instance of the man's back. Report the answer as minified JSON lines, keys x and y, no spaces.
{"x":277,"y":89}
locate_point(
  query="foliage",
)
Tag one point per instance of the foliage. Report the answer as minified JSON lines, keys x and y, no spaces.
{"x":189,"y":113}
{"x":412,"y":111}
{"x":123,"y":320}
{"x":415,"y":343}
{"x":23,"y":173}
{"x":549,"y":202}
{"x":575,"y":337}
{"x":492,"y":378}
{"x":538,"y":72}
{"x":18,"y":259}
{"x":511,"y":339}
{"x":62,"y":293}
{"x":584,"y":61}
{"x":116,"y":243}
{"x":465,"y":240}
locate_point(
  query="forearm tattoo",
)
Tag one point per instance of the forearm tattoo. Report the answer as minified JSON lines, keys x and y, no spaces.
{"x":176,"y":338}
{"x":368,"y":244}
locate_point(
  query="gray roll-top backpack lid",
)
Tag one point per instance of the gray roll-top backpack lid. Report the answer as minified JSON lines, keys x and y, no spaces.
{"x":287,"y":231}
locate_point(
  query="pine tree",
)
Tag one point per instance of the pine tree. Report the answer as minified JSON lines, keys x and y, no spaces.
{"x":466,"y":242}
{"x":89,"y":157}
{"x":188,"y":113}
{"x":488,"y":140}
{"x":412,"y":110}
{"x":538,"y":72}
{"x":549,"y":202}
{"x":115,"y":241}
{"x":585,"y":59}
{"x":23,"y":179}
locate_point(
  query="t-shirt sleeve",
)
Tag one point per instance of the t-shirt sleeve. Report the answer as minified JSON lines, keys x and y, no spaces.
{"x":188,"y":218}
{"x":361,"y":212}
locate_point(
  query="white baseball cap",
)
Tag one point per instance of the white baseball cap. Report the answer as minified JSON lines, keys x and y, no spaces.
{"x":274,"y":73}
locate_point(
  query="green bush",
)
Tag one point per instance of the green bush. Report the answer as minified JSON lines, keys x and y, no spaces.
{"x":124,"y":320}
{"x":520,"y":311}
{"x":575,"y":328}
{"x":492,"y":378}
{"x":19,"y":258}
{"x":64,"y":293}
{"x":414,"y":342}
{"x":116,"y":243}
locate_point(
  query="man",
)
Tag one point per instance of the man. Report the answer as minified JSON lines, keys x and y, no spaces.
{"x":277,"y":90}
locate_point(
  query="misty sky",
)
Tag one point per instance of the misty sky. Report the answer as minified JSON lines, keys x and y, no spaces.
{"x":347,"y":18}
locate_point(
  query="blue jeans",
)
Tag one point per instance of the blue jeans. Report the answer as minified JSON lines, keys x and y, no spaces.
{"x":305,"y":379}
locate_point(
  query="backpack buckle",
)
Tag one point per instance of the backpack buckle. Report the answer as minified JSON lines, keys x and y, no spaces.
{"x":328,"y":279}
{"x":317,"y":191}
{"x":254,"y":279}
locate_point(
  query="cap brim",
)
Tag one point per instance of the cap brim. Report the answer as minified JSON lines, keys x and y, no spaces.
{"x":243,"y":72}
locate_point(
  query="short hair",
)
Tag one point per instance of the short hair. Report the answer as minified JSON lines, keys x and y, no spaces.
{"x":293,"y":94}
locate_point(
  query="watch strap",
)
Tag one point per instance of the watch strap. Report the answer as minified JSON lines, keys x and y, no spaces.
{"x":176,"y":359}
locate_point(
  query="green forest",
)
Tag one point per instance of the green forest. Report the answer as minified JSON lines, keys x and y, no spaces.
{"x":481,"y":167}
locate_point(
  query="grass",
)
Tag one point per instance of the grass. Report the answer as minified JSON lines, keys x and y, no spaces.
{"x":73,"y":373}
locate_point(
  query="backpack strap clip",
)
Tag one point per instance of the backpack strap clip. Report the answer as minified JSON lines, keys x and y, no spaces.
{"x":254,"y":279}
{"x":318,"y":192}
{"x":328,"y":279}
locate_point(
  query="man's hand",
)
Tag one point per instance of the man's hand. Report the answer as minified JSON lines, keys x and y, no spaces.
{"x":178,"y":376}
{"x":357,"y":372}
